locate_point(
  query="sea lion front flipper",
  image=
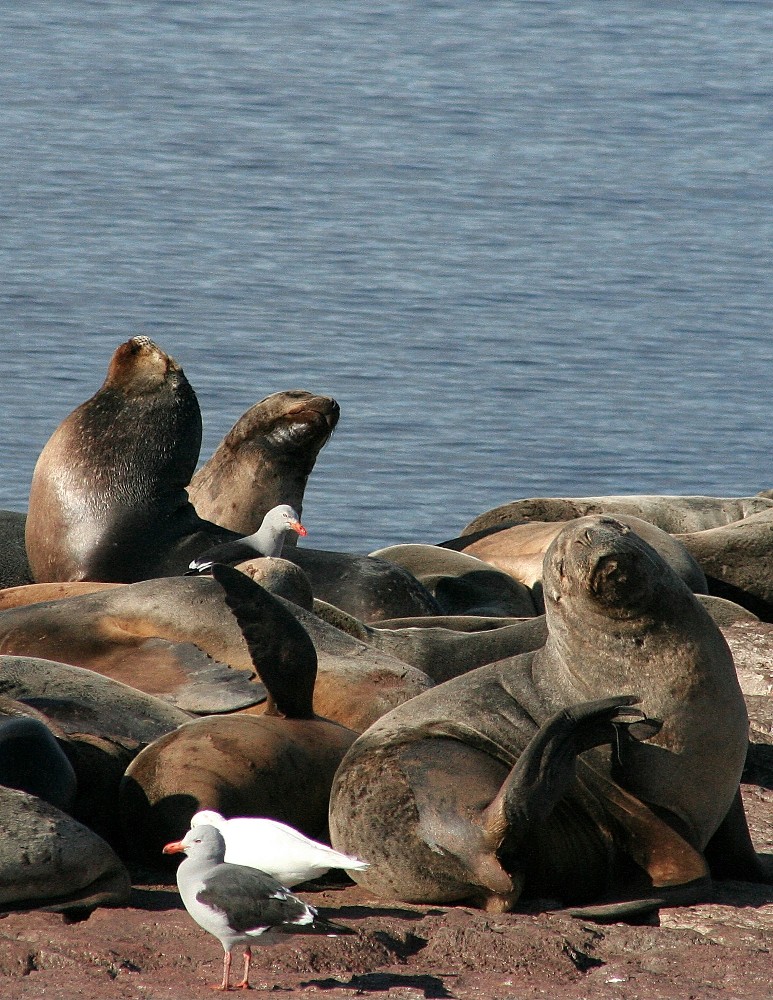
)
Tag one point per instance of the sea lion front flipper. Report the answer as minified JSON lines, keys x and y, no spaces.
{"x":730,"y":852}
{"x":544,"y":771}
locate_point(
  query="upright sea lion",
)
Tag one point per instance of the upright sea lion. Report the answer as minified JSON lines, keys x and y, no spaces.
{"x":107,"y":499}
{"x":265,"y":459}
{"x":279,"y":765}
{"x":469,"y":791}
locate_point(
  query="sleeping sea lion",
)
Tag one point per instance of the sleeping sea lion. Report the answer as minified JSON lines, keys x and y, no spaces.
{"x":731,"y":538}
{"x":31,"y":759}
{"x":519,"y":549}
{"x":461,"y":583}
{"x":49,"y":861}
{"x":264,"y":460}
{"x":173,"y":637}
{"x":98,"y":723}
{"x":674,"y":514}
{"x":279,"y":764}
{"x":484,"y":789}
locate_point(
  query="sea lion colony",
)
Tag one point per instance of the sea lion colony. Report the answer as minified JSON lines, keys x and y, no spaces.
{"x":477,"y":750}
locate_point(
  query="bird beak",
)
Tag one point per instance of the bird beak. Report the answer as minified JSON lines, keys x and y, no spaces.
{"x":297,"y":526}
{"x":176,"y":847}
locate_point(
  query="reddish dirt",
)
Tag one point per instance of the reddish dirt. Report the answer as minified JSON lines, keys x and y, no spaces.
{"x":153,"y":950}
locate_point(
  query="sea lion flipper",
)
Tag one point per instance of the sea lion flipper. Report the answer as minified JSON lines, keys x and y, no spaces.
{"x":547,"y":766}
{"x":280,"y":648}
{"x":730,"y":852}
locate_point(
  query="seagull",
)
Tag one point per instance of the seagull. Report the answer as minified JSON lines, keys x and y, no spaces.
{"x":266,"y":541}
{"x":239,"y":905}
{"x":275,"y":848}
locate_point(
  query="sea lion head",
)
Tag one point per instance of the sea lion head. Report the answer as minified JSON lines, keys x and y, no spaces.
{"x":139,"y":365}
{"x":599,"y":563}
{"x":294,"y":419}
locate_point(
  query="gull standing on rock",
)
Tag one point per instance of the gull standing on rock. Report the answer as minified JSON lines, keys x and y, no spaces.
{"x":239,"y":905}
{"x":266,"y":541}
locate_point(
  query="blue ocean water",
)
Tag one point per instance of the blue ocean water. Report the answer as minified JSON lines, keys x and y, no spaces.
{"x":526,"y":245}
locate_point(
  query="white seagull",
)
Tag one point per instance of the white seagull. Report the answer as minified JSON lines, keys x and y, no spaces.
{"x":275,"y":848}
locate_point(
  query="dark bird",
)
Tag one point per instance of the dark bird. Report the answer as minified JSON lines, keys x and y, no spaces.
{"x":266,"y":541}
{"x":239,"y":905}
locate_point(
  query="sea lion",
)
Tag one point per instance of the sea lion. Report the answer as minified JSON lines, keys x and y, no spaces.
{"x":674,"y":514}
{"x":731,"y":538}
{"x":442,"y":652}
{"x":363,"y":586}
{"x":461,"y":583}
{"x":14,"y":565}
{"x":520,"y":549}
{"x":36,"y":593}
{"x":99,"y":724}
{"x":107,"y":499}
{"x":279,"y":765}
{"x":468,"y":792}
{"x":265,"y":459}
{"x":173,"y":638}
{"x":49,"y":861}
{"x":32,"y":760}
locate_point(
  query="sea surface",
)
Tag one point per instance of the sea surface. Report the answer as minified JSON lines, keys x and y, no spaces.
{"x":526,"y":245}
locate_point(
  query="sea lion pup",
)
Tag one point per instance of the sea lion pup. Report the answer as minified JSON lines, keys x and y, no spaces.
{"x":520,"y":549}
{"x":107,"y":499}
{"x":265,"y":459}
{"x":279,"y":765}
{"x":470,"y":791}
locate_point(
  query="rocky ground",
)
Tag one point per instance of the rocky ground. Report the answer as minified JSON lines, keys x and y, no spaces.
{"x":152,"y":949}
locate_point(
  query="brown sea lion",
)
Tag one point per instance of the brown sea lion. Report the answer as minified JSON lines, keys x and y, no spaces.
{"x":461,"y":583}
{"x":520,"y":549}
{"x":279,"y":765}
{"x":174,"y":638}
{"x":674,"y":514}
{"x":99,"y":724}
{"x":483,"y":788}
{"x":731,"y":538}
{"x":264,"y":460}
{"x":442,"y":652}
{"x":107,"y":499}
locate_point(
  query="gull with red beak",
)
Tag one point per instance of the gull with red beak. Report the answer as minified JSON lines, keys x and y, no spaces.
{"x":266,"y":541}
